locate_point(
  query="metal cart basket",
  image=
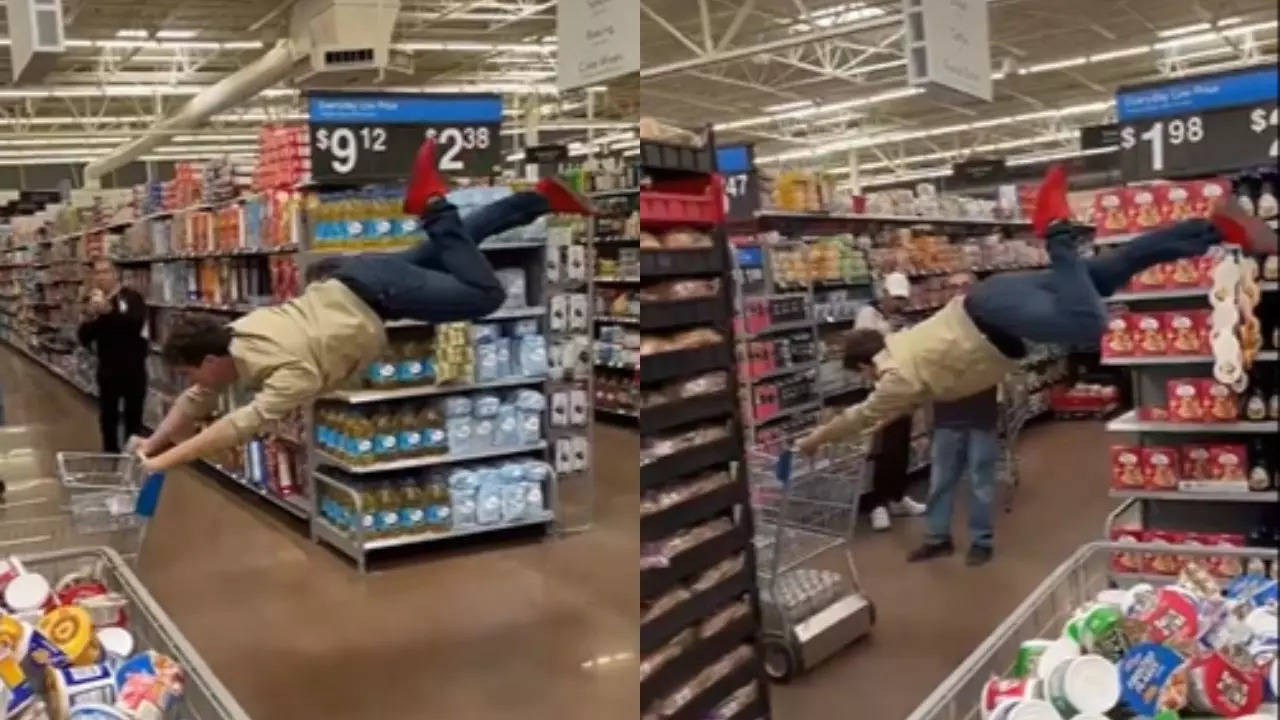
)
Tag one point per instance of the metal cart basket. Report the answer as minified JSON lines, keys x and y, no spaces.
{"x":1015,"y":411}
{"x":1042,"y":615}
{"x":204,"y":697}
{"x":805,"y":511}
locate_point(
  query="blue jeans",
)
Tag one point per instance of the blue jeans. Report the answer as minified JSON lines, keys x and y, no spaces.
{"x":1063,"y":304}
{"x":955,"y":450}
{"x":444,"y":278}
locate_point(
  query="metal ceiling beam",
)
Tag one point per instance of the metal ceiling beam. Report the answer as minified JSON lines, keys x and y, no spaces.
{"x":736,"y":23}
{"x":738,"y":53}
{"x":672,"y":30}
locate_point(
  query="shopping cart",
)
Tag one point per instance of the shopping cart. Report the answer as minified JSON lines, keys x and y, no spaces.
{"x":203,"y":697}
{"x":805,"y":511}
{"x":1015,"y":411}
{"x":1043,"y":614}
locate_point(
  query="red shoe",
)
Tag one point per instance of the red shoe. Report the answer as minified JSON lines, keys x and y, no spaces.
{"x":1051,"y":201}
{"x":1240,"y":228}
{"x":562,"y":198}
{"x":425,"y":182}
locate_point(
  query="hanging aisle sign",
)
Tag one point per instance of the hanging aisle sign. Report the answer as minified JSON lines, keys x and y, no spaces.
{"x":373,"y":137}
{"x":597,"y":41}
{"x":736,"y":164}
{"x":947,"y":46}
{"x":1199,"y":143}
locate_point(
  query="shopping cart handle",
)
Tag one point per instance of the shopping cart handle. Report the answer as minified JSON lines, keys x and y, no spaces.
{"x":149,"y":495}
{"x":782,"y":468}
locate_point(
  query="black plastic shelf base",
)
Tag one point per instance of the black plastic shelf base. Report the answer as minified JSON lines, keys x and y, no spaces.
{"x":692,"y":562}
{"x":705,"y":651}
{"x":683,"y":313}
{"x":719,"y":691}
{"x":684,"y":363}
{"x":696,"y":609}
{"x":682,"y":263}
{"x":682,"y":412}
{"x":690,"y":460}
{"x":676,"y":158}
{"x":691,"y":511}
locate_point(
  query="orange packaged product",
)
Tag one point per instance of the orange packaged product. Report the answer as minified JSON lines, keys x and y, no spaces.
{"x":1163,"y":563}
{"x":1183,"y":398}
{"x":1141,"y":210}
{"x":1127,"y":561}
{"x":1156,"y":277}
{"x":1193,"y":462}
{"x":1222,"y":566}
{"x":1109,"y":212}
{"x":1118,"y":340}
{"x":1184,"y":273}
{"x":1228,"y":463}
{"x":1174,"y":200}
{"x":1126,"y":467}
{"x":1221,"y":404}
{"x":1184,"y":333}
{"x":1150,"y":334}
{"x":1160,"y":468}
{"x":1204,"y":193}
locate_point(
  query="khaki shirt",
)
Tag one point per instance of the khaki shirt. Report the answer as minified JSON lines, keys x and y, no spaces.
{"x":945,"y":357}
{"x":290,"y":354}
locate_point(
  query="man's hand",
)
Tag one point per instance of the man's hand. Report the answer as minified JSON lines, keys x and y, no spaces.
{"x":148,"y":464}
{"x":808,"y":445}
{"x":137,"y":445}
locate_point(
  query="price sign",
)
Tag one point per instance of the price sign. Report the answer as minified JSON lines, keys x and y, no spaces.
{"x":1198,"y":143}
{"x":361,"y":138}
{"x":741,"y":183}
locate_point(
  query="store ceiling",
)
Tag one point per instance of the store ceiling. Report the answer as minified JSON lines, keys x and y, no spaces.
{"x":773,"y":95}
{"x":794,"y":57}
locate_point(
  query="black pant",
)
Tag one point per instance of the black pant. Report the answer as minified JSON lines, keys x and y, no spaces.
{"x":130,"y":389}
{"x":889,"y":480}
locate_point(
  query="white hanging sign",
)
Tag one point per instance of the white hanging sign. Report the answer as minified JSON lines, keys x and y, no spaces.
{"x":598,"y":40}
{"x":948,"y":45}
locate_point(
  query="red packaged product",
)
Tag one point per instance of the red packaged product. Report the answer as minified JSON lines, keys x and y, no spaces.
{"x":1228,"y":463}
{"x":1184,"y":273}
{"x":1150,"y":413}
{"x":1219,"y":687}
{"x":1183,"y":398}
{"x":1126,"y":467}
{"x":1109,"y":212}
{"x":1150,"y":332}
{"x":1160,"y":468}
{"x":1223,"y":566}
{"x":1173,"y":616}
{"x":1182,"y":333}
{"x":1204,"y":193}
{"x":1119,"y":339}
{"x":1155,"y":277}
{"x":1174,"y":200}
{"x":1142,"y":212}
{"x":1162,"y":563}
{"x":1221,"y":404}
{"x":1194,"y":462}
{"x":1127,"y":561}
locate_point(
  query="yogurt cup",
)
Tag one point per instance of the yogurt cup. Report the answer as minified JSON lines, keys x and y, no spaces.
{"x":10,"y":568}
{"x":117,"y":645}
{"x":999,"y":691}
{"x":1088,"y":684}
{"x":73,"y":686}
{"x":1114,"y":597}
{"x":1152,"y":678}
{"x":27,"y":593}
{"x":70,"y":628}
{"x":1058,"y":652}
{"x":1174,"y":616}
{"x":96,"y":711}
{"x":1028,"y":657}
{"x":1029,"y":709}
{"x":1220,"y":688}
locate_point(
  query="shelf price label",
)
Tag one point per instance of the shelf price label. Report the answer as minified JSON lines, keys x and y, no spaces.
{"x":1198,"y":143}
{"x":736,"y":165}
{"x":362,"y":138}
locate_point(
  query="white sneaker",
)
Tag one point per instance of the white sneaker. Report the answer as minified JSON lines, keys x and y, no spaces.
{"x":907,"y":507}
{"x":880,"y":518}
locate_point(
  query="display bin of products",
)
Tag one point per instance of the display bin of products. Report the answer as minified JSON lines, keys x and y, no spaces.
{"x":1192,"y":646}
{"x":683,"y":203}
{"x":674,"y":363}
{"x":672,"y":454}
{"x":673,"y":157}
{"x":141,"y":664}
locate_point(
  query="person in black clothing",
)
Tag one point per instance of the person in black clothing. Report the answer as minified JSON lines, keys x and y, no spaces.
{"x":115,"y":330}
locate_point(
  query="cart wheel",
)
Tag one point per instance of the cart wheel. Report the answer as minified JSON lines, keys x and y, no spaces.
{"x":780,"y":661}
{"x":872,"y":607}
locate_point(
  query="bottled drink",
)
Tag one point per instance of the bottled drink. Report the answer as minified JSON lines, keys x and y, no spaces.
{"x":409,"y":369}
{"x":361,"y":432}
{"x":389,"y":504}
{"x":413,"y":511}
{"x":439,"y":510}
{"x":434,"y":439}
{"x":385,"y":435}
{"x":408,"y":432}
{"x":368,"y":511}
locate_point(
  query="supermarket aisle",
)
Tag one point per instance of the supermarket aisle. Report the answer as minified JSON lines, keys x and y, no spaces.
{"x":932,"y":615}
{"x":294,"y":632}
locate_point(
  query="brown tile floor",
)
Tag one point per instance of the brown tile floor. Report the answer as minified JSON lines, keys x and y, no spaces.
{"x":932,"y":615}
{"x":482,"y":632}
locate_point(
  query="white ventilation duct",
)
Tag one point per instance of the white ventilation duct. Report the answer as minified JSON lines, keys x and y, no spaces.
{"x":275,"y":65}
{"x":35,"y":37}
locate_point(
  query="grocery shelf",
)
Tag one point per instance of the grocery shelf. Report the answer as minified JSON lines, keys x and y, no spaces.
{"x":618,"y":367}
{"x":610,"y":280}
{"x":1174,"y":293}
{"x":295,"y":505}
{"x":483,"y":247}
{"x":683,"y":363}
{"x":1263,"y":356}
{"x":656,"y":418}
{"x":781,"y":327}
{"x":357,"y":397}
{"x":896,"y":219}
{"x":788,"y":370}
{"x":1269,"y":496}
{"x":614,"y":193}
{"x":228,"y":253}
{"x":791,"y":411}
{"x":1129,"y":422}
{"x":327,"y":532}
{"x":663,"y":315}
{"x":619,"y":412}
{"x":617,"y":319}
{"x":689,"y":460}
{"x":429,"y":460}
{"x":500,"y":314}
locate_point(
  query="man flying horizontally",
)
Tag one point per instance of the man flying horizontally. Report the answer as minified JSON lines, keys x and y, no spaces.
{"x":296,"y":351}
{"x":971,"y":343}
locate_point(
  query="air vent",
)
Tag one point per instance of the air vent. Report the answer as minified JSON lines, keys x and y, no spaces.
{"x":343,"y":58}
{"x":48,"y":28}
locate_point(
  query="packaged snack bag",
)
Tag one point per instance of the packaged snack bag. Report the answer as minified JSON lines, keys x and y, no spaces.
{"x":1174,"y":200}
{"x":1183,"y":397}
{"x":1228,"y":463}
{"x":1194,"y":462}
{"x":1109,"y":213}
{"x":1119,"y":340}
{"x":1204,"y":193}
{"x":1160,"y":468}
{"x":1182,"y":333}
{"x":1126,"y":467}
{"x":1127,"y":561}
{"x":1150,"y":332}
{"x":1142,"y":212}
{"x":1221,"y":404}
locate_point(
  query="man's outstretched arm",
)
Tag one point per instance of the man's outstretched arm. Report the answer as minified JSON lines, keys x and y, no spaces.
{"x":892,"y":397}
{"x":284,"y":390}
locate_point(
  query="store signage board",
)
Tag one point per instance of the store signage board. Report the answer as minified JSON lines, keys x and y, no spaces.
{"x":546,"y":154}
{"x":947,"y":46}
{"x":736,"y":164}
{"x":598,"y":40}
{"x":980,"y":170}
{"x":373,"y":137}
{"x":1093,"y":137}
{"x":1199,"y":143}
{"x":1199,"y":94}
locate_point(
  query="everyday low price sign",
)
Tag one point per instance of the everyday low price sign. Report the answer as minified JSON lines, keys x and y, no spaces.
{"x":373,"y":137}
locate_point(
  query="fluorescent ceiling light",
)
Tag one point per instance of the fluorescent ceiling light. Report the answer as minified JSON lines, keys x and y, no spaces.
{"x":175,"y":34}
{"x":1055,"y":65}
{"x":1050,"y":157}
{"x":1123,"y":52}
{"x":1229,"y":21}
{"x":1215,"y":35}
{"x":783,"y":107}
{"x":448,"y":46}
{"x":1183,"y":30}
{"x":132,"y":33}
